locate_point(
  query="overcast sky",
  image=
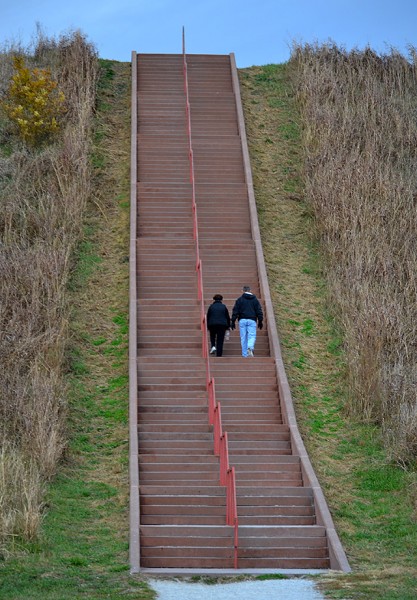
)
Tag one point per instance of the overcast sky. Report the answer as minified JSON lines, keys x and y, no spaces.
{"x":257,"y":31}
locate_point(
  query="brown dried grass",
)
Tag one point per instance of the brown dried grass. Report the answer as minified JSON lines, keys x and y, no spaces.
{"x":44,"y":195}
{"x":360,"y":141}
{"x":21,"y":496}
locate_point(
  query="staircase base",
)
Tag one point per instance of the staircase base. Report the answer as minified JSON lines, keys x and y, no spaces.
{"x":228,"y":572}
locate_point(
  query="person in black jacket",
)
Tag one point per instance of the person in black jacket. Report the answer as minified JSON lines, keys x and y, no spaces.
{"x":218,"y":321}
{"x":248,"y":311}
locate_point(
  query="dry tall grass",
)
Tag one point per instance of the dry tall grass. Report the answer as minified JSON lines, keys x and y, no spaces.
{"x":360,"y":135}
{"x":43,"y":197}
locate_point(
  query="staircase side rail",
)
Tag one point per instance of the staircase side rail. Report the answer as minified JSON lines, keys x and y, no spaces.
{"x":338,"y":559}
{"x":134,"y":508}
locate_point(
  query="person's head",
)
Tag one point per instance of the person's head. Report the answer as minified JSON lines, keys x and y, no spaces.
{"x":217,"y":297}
{"x":246,"y":288}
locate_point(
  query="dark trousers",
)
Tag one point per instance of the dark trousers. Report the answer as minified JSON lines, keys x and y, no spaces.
{"x":217,"y":337}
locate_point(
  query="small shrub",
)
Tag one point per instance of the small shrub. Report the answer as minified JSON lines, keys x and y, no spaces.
{"x":33,"y":103}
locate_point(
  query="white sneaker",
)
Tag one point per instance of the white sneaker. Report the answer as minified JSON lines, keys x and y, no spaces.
{"x":213,"y":350}
{"x":250,"y":352}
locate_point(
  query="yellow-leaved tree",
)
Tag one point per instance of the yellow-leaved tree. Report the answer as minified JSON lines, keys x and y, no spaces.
{"x":33,"y":103}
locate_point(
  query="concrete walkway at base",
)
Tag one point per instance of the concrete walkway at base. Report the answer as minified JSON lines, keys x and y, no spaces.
{"x":288,"y":589}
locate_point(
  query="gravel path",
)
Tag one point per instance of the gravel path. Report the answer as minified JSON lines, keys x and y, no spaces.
{"x":288,"y":589}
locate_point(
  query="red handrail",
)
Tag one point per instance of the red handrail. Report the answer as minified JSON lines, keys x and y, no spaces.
{"x":217,"y":431}
{"x":227,"y":477}
{"x":211,"y":400}
{"x":195,"y":232}
{"x":227,"y":474}
{"x":199,"y":269}
{"x":224,"y":459}
{"x":204,"y":341}
{"x":231,"y":514}
{"x":231,"y":508}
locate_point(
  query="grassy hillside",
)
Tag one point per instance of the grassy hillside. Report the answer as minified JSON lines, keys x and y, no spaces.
{"x":372,"y":501}
{"x":45,"y":183}
{"x":360,"y":146}
{"x":82,"y":549}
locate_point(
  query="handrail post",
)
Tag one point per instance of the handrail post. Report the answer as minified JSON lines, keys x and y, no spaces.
{"x":224,"y":458}
{"x":236,"y":543}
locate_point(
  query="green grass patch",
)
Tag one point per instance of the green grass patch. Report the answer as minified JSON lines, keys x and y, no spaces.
{"x":86,"y":260}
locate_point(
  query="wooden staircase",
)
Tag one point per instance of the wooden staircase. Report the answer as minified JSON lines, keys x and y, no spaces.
{"x":182,"y":504}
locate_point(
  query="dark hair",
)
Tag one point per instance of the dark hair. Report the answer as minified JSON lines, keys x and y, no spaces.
{"x":218,"y":297}
{"x":246,"y":288}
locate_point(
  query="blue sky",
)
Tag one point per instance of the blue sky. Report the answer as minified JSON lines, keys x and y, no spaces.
{"x":257,"y":31}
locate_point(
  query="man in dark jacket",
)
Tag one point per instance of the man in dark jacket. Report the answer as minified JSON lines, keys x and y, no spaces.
{"x":248,"y":311}
{"x":218,"y":321}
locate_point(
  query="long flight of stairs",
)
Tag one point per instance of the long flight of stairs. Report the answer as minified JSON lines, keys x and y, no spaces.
{"x":182,"y":505}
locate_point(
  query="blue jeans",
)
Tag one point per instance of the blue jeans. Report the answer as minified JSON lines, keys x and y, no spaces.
{"x":247,"y":330}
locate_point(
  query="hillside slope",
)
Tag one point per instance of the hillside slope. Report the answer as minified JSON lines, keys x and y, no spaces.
{"x":82,"y":551}
{"x":373,"y":503}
